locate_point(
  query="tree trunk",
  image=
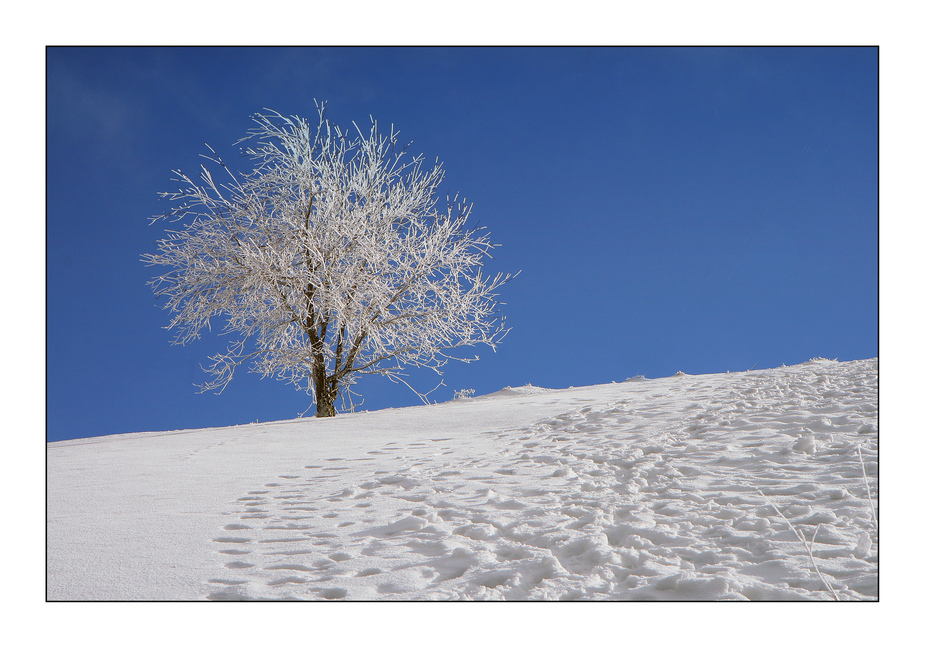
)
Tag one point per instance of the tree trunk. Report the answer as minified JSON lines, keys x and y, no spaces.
{"x":325,"y":394}
{"x":324,"y":399}
{"x":325,"y":407}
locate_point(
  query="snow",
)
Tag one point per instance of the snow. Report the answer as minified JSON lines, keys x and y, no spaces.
{"x":661,"y":489}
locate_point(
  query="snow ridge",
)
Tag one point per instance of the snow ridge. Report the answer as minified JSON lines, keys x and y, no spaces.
{"x":643,"y":490}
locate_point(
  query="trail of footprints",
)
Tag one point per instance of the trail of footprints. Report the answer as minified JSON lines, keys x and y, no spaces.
{"x":639,"y":498}
{"x":292,"y":531}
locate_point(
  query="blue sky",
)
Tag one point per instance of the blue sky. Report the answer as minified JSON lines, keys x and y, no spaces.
{"x":693,"y":209}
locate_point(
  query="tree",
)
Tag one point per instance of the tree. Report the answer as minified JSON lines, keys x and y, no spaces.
{"x":330,"y":260}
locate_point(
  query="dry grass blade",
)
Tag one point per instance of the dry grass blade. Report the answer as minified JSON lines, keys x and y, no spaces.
{"x":809,"y":549}
{"x":870,"y":500}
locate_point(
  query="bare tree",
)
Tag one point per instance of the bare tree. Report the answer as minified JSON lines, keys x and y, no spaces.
{"x":330,"y":260}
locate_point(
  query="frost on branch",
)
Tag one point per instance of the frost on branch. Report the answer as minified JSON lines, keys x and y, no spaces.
{"x":329,"y":261}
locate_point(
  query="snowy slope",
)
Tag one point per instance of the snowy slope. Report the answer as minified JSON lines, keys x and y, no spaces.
{"x":647,"y":489}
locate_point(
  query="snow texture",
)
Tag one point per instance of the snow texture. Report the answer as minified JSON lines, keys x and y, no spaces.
{"x":667,"y":489}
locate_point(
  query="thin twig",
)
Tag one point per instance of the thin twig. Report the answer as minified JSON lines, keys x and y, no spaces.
{"x":870,"y":500}
{"x":808,"y":548}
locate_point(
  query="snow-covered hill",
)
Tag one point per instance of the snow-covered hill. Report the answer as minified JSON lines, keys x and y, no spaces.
{"x":687,"y":487}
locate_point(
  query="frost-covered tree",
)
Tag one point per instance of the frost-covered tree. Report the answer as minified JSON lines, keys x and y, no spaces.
{"x":330,"y":260}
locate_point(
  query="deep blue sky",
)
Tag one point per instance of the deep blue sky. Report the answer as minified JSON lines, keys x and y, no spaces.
{"x":701,"y":210}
